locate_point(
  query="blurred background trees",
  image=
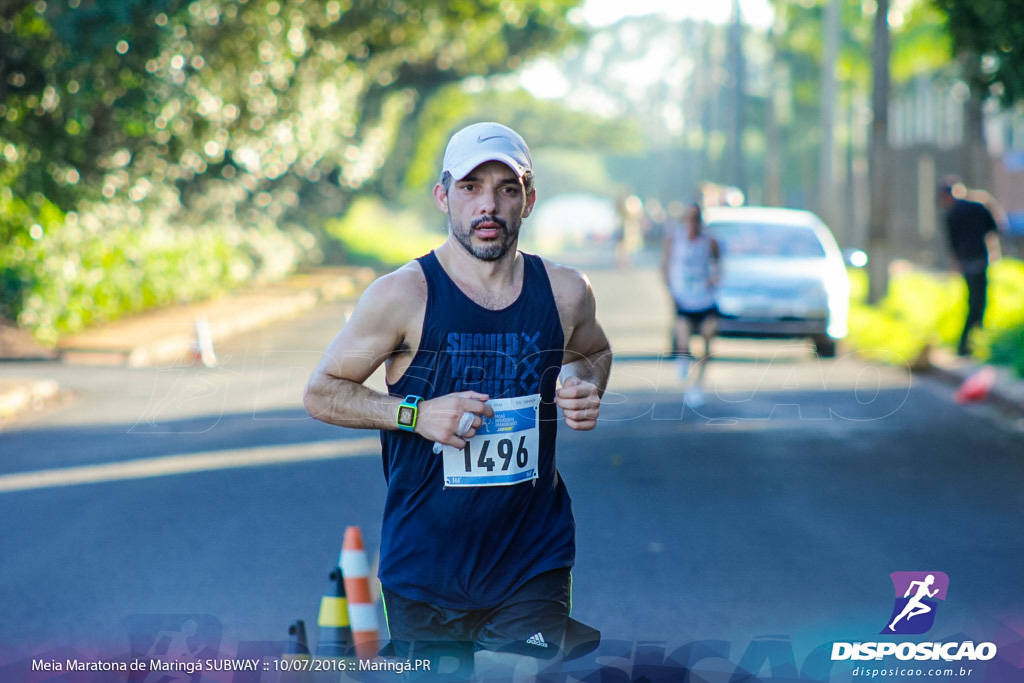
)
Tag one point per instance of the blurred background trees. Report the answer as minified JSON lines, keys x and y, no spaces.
{"x":159,"y":151}
{"x":196,"y":145}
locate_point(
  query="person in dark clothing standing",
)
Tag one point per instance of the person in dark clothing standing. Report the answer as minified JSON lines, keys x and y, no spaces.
{"x":972,"y":233}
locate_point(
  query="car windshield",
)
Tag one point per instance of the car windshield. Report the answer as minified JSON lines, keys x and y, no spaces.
{"x":767,"y":240}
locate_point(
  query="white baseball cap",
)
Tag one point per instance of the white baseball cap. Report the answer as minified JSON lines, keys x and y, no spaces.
{"x":480,"y":142}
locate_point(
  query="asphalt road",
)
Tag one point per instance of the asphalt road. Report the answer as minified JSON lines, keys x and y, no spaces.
{"x":756,"y":529}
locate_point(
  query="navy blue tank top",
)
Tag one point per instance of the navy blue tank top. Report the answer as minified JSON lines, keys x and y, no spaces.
{"x":472,"y":547}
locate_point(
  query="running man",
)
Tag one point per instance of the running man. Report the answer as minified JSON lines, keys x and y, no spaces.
{"x":478,"y":539}
{"x":690,"y":266}
{"x":915,"y":606}
{"x":180,"y":658}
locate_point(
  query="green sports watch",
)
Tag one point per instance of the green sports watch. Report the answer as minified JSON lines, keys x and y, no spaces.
{"x":407,"y":412}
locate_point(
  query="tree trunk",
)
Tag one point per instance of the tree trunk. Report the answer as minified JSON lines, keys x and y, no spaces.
{"x":772,"y":128}
{"x":828,"y":205}
{"x":879,"y":228}
{"x":977,"y":168}
{"x":735,"y":165}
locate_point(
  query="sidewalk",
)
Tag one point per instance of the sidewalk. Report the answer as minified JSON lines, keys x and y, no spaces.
{"x":169,"y":336}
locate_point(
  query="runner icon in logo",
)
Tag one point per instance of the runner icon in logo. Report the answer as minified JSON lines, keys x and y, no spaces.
{"x":918,"y":590}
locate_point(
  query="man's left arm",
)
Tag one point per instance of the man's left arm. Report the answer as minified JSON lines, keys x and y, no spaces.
{"x":995,"y":252}
{"x":587,"y":360}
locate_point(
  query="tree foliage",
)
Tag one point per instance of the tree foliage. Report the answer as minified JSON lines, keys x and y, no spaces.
{"x":226,"y":115}
{"x":989,"y":30}
{"x":919,"y":43}
{"x":110,"y":93}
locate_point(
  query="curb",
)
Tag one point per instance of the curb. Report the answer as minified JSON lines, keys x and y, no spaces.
{"x":169,"y":335}
{"x":20,"y":396}
{"x":1007,"y":393}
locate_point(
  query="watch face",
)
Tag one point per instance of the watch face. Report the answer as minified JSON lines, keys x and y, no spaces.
{"x":405,"y":415}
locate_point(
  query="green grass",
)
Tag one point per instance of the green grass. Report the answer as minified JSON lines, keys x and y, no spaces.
{"x":373,"y":233}
{"x":924,"y":308}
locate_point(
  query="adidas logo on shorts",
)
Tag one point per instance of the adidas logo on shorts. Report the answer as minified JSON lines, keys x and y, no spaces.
{"x":537,"y":639}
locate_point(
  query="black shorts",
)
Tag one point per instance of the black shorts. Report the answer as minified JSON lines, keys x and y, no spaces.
{"x":531,"y":622}
{"x":696,"y":318}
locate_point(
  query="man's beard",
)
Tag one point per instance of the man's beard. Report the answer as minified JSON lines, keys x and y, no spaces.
{"x":492,"y":250}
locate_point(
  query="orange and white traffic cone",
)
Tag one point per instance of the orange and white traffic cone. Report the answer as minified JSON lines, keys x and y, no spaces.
{"x":977,"y":386}
{"x":360,"y":602}
{"x":335,"y":631}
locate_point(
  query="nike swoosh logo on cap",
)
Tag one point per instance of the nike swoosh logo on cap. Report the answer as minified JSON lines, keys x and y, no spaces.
{"x":481,"y":138}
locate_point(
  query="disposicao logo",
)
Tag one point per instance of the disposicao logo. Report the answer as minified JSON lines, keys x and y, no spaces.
{"x":916,"y":596}
{"x":913,"y":613}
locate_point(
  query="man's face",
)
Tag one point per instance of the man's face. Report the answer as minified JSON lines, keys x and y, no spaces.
{"x":486,"y":209}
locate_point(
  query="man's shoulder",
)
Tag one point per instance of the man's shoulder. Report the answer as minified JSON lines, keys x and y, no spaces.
{"x":404,"y":285}
{"x":571,"y":289}
{"x":564,"y":279}
{"x":969,"y":207}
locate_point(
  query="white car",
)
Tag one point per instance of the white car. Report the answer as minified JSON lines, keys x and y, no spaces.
{"x":782,"y":275}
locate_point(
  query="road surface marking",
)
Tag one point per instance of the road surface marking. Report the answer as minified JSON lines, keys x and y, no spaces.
{"x":189,"y":463}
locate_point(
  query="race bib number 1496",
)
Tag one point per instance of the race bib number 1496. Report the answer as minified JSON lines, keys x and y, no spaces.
{"x":504,"y":449}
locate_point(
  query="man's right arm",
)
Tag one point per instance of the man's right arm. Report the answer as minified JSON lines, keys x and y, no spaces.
{"x":373,"y":334}
{"x":378,"y":332}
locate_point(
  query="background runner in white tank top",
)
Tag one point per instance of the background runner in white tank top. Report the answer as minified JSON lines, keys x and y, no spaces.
{"x":689,"y":271}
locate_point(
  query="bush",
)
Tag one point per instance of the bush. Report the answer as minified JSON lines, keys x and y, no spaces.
{"x":374,"y":233}
{"x":111,"y":259}
{"x":1007,"y":348}
{"x":925,"y":308}
{"x":880,"y":336}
